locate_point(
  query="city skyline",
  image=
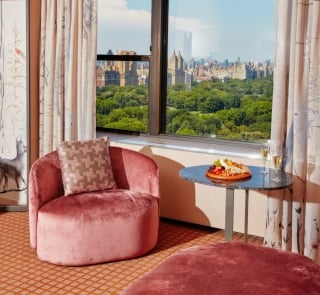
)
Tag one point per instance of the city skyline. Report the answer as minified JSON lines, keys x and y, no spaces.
{"x":123,"y":25}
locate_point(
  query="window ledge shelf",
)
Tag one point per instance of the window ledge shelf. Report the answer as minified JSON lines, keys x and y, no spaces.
{"x":236,"y":149}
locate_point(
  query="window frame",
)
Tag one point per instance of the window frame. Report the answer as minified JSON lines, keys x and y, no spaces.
{"x":157,"y":67}
{"x":158,"y":61}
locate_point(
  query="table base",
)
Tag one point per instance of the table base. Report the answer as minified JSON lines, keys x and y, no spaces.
{"x":228,"y":234}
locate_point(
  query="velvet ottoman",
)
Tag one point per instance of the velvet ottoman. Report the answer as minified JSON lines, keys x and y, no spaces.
{"x":231,"y":268}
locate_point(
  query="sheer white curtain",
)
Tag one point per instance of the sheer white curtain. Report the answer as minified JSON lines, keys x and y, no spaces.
{"x":67,"y":71}
{"x":293,"y":217}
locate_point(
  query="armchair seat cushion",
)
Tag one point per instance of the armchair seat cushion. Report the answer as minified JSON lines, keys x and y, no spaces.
{"x":91,"y":227}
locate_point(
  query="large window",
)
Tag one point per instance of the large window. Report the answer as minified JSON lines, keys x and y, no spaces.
{"x":201,"y":68}
{"x":124,"y":32}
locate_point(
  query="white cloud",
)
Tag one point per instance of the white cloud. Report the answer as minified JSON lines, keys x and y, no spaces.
{"x":113,"y":4}
{"x":205,"y":35}
{"x":121,"y":27}
{"x":188,"y":24}
{"x":124,"y":28}
{"x":116,"y":13}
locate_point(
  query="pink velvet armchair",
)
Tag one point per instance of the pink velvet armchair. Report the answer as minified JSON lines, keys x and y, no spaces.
{"x":94,"y":227}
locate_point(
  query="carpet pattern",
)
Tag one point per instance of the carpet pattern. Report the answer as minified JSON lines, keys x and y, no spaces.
{"x":21,"y":272}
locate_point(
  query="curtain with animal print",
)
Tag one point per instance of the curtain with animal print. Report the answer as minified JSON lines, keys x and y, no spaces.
{"x":67,"y":71}
{"x":293,"y":216}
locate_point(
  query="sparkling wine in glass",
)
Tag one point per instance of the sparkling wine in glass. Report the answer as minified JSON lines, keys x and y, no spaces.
{"x":264,"y":155}
{"x":277,"y":160}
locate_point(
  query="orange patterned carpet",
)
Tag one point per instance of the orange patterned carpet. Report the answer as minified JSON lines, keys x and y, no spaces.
{"x":22,"y":273}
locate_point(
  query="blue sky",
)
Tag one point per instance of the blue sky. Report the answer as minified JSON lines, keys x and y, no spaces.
{"x":223,"y":29}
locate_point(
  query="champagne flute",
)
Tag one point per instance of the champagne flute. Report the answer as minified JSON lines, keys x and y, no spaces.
{"x":277,"y":160}
{"x":264,"y":154}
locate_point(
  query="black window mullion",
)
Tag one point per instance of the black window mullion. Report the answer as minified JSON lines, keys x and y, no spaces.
{"x":123,"y":57}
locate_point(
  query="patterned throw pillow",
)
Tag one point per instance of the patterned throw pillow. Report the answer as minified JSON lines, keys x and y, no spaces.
{"x":85,"y":165}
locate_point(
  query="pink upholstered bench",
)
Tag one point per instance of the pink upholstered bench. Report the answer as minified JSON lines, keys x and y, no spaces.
{"x":231,"y":268}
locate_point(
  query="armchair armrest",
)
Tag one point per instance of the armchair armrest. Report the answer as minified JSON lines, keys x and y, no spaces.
{"x":135,"y":171}
{"x":45,"y":184}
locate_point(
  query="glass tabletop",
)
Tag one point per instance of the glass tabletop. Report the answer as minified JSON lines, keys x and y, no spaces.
{"x":258,"y":180}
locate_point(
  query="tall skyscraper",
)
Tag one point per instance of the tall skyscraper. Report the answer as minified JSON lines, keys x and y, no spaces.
{"x":176,"y":73}
{"x":187,"y":46}
{"x":181,"y":41}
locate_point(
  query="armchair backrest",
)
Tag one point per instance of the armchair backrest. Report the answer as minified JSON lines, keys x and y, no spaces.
{"x":135,"y":171}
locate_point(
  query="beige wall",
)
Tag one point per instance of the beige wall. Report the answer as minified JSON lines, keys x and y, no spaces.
{"x":197,"y":203}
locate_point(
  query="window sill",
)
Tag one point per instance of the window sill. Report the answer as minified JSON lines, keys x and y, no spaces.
{"x":228,"y":148}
